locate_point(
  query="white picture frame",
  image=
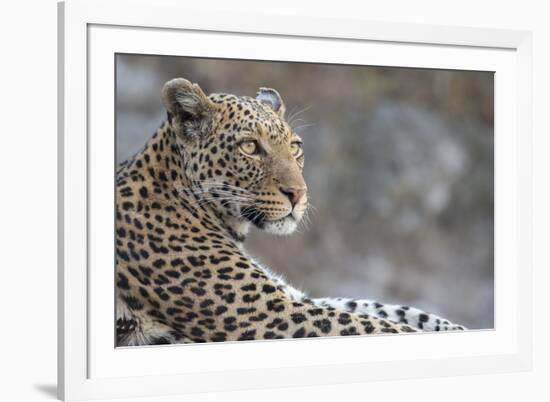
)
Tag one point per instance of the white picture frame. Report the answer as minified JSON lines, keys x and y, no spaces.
{"x":91,"y":32}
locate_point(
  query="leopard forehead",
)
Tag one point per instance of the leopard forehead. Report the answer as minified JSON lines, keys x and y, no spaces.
{"x":248,"y":115}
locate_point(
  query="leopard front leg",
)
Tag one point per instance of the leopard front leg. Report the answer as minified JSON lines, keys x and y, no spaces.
{"x":396,"y":313}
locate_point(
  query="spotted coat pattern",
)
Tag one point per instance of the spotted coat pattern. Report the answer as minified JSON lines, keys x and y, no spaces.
{"x":184,"y":203}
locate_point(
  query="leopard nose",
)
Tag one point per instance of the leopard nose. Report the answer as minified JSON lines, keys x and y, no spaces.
{"x":294,"y":194}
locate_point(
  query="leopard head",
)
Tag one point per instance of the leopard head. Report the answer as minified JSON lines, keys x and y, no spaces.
{"x":240,"y":155}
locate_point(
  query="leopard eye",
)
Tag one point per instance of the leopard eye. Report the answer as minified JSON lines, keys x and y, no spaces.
{"x":296,"y":149}
{"x":249,"y":147}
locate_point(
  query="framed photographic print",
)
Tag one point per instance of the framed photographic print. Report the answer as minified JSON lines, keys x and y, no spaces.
{"x":243,"y":197}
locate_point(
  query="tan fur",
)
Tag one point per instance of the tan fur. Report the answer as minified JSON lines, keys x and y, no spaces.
{"x":181,"y":269}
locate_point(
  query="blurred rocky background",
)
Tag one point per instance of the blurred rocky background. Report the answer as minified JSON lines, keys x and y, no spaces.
{"x":399,"y":164}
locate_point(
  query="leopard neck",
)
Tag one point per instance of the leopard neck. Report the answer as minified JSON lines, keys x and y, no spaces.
{"x":162,"y":163}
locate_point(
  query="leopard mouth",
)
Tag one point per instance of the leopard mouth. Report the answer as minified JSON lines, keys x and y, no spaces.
{"x":254,"y":215}
{"x":259,"y":218}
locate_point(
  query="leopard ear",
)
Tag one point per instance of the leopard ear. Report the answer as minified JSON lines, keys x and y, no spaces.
{"x":189,"y":109}
{"x":272,"y":98}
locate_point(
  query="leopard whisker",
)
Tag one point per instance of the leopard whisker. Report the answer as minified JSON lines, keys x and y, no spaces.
{"x":299,"y":112}
{"x":202,"y":201}
{"x":301,"y":126}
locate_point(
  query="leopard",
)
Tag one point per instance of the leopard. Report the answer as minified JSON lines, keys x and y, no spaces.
{"x":217,"y":166}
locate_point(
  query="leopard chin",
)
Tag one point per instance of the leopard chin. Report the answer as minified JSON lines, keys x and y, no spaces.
{"x":281,"y":227}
